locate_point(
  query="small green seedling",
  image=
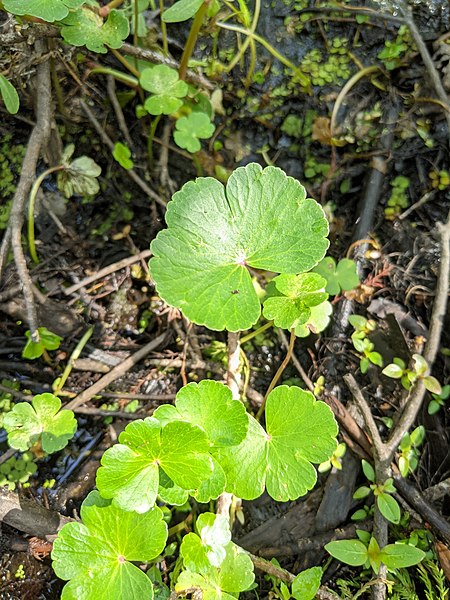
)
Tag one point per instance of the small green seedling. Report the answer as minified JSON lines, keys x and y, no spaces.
{"x":439,"y":179}
{"x":97,"y":554}
{"x":42,"y":422}
{"x":166,"y":88}
{"x":9,"y":95}
{"x":438,"y":400}
{"x":409,"y":450}
{"x":342,"y":276}
{"x":78,"y":176}
{"x":420,"y":371}
{"x":190,"y":129}
{"x":386,"y":503}
{"x":362,"y":343}
{"x":398,"y":199}
{"x":17,"y":470}
{"x":47,"y":341}
{"x":122,"y":154}
{"x":335,"y":459}
{"x":213,"y":563}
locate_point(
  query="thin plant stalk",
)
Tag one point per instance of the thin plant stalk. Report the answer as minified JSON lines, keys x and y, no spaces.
{"x":303,"y":79}
{"x":278,"y":374}
{"x":253,"y":334}
{"x":150,"y":138}
{"x":74,"y":356}
{"x":165,"y":42}
{"x":248,"y":41}
{"x":31,"y":203}
{"x":192,"y":39}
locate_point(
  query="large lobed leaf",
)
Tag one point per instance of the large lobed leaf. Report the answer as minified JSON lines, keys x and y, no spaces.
{"x":261,"y":220}
{"x":96,"y":555}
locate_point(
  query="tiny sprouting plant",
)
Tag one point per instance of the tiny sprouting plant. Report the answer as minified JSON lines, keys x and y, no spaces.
{"x":438,"y":400}
{"x":9,"y":95}
{"x":335,"y":460}
{"x":97,"y":554}
{"x":408,"y":376}
{"x":394,"y":51}
{"x":78,"y":176}
{"x":362,"y":344}
{"x":408,"y":457}
{"x":166,"y":87}
{"x":340,"y":277}
{"x":439,"y":179}
{"x":47,"y":341}
{"x":41,"y":422}
{"x":368,"y":553}
{"x":387,"y":504}
{"x":190,"y":129}
{"x":17,"y":470}
{"x":122,"y":154}
{"x":398,"y":200}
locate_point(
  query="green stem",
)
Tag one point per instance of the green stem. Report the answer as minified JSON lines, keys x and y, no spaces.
{"x":119,"y":75}
{"x":163,"y":30}
{"x":192,"y":39}
{"x":75,"y":355}
{"x":278,"y":374}
{"x":151,"y":136}
{"x":31,"y":203}
{"x":303,"y":79}
{"x":248,"y":39}
{"x":253,"y":334}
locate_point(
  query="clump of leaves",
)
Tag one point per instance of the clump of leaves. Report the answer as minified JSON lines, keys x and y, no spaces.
{"x":190,"y":129}
{"x":438,"y":400}
{"x":41,"y":422}
{"x":362,"y":343}
{"x":394,"y":52}
{"x":47,"y":341}
{"x":166,"y":88}
{"x":17,"y":470}
{"x":97,"y":554}
{"x":398,"y":199}
{"x":262,"y":220}
{"x":342,"y":276}
{"x":386,"y":503}
{"x":408,"y":458}
{"x":78,"y":176}
{"x":408,"y":376}
{"x":439,"y":179}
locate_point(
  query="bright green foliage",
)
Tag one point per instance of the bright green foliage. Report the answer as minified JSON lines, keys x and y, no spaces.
{"x":122,"y":154}
{"x":289,"y":304}
{"x":42,"y":421}
{"x":48,"y":10}
{"x":340,"y":277}
{"x":96,"y":555}
{"x":9,"y":94}
{"x":261,"y":220}
{"x":439,"y":179}
{"x":409,"y":450}
{"x":420,"y":371}
{"x":167,"y":89}
{"x":181,"y":11}
{"x":394,"y":51}
{"x":17,"y":470}
{"x":362,"y":343}
{"x":47,"y":341}
{"x":439,"y":400}
{"x":317,"y":321}
{"x":388,"y":505}
{"x":190,"y":129}
{"x":85,"y":27}
{"x":130,"y":470}
{"x":356,"y":553}
{"x":300,"y":431}
{"x":398,"y":199}
{"x":307,"y":583}
{"x":79,"y":176}
{"x":335,"y":459}
{"x":326,"y":70}
{"x":213,"y":563}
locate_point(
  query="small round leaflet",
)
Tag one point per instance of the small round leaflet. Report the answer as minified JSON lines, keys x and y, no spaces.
{"x":261,"y":220}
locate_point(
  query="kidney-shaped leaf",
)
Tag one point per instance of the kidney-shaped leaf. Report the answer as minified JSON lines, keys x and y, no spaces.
{"x":96,"y":555}
{"x":261,"y":220}
{"x":43,"y":421}
{"x":300,"y":431}
{"x":210,"y":405}
{"x":86,"y":28}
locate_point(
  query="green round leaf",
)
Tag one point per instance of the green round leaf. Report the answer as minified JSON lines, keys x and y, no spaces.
{"x":261,"y":220}
{"x":85,"y":27}
{"x":317,"y":321}
{"x":43,"y":421}
{"x":47,"y":10}
{"x":96,"y":555}
{"x":166,"y":87}
{"x":393,"y":371}
{"x":341,"y":277}
{"x":190,"y":129}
